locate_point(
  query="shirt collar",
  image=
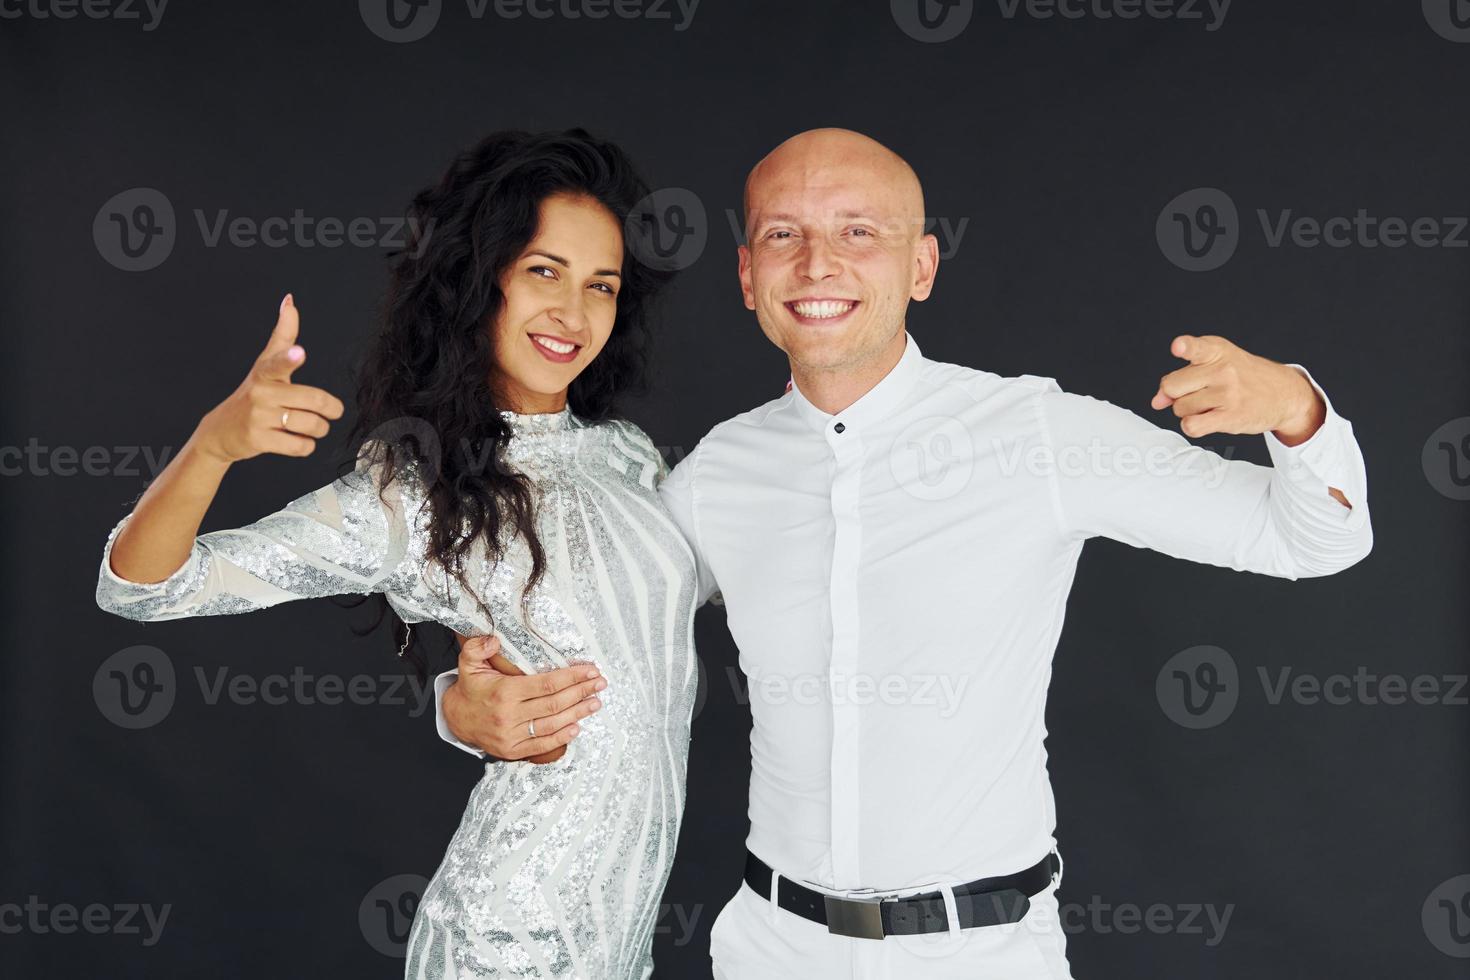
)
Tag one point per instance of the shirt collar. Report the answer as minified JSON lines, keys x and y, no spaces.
{"x":877,"y":404}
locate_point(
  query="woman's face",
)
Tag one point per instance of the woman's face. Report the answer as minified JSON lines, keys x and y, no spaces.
{"x":560,"y":301}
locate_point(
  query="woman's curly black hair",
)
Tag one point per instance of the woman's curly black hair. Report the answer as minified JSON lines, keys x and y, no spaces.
{"x":428,"y":370}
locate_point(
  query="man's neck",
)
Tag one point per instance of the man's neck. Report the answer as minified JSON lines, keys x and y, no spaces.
{"x":837,"y":389}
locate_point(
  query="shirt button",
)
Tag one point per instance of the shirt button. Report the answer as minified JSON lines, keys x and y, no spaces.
{"x":839,"y":428}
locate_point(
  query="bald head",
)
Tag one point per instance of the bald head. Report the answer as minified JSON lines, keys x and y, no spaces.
{"x":827,"y":157}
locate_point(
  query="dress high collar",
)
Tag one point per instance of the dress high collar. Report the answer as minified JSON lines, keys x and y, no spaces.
{"x":539,"y":423}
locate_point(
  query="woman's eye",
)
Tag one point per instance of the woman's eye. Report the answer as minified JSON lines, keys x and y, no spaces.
{"x":538,"y":270}
{"x":604,"y":287}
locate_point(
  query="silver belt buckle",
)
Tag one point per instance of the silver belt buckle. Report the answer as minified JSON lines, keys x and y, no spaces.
{"x":858,"y":918}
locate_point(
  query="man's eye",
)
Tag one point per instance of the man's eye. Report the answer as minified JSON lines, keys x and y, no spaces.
{"x":864,"y":232}
{"x":779,"y":234}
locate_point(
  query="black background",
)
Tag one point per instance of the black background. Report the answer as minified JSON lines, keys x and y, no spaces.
{"x":1058,"y":140}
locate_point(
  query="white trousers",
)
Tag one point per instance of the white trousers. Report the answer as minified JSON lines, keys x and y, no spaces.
{"x":753,"y":939}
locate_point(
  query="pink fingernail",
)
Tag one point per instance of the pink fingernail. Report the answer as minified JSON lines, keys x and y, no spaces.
{"x":296,"y":353}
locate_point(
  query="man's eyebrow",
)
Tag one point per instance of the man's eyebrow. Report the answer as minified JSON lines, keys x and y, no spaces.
{"x":762,"y":217}
{"x":563,"y":262}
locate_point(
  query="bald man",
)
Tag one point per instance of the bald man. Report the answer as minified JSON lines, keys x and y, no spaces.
{"x":894,"y":539}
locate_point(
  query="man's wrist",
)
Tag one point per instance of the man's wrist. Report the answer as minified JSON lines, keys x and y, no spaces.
{"x":442,"y":686}
{"x":1304,"y":421}
{"x":453,"y":698}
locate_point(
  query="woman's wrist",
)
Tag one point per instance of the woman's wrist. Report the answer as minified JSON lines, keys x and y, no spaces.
{"x":199,"y":451}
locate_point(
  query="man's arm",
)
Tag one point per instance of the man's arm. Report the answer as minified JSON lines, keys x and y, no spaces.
{"x":679,"y":492}
{"x":1305,"y":515}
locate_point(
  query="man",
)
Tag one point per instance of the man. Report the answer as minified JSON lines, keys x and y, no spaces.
{"x":899,"y":536}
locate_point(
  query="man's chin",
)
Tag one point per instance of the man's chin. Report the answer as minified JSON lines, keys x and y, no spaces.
{"x":820,"y":353}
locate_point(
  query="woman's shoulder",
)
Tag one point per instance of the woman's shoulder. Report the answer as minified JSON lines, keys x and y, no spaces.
{"x":411,"y":468}
{"x":620,"y":428}
{"x":628,"y":436}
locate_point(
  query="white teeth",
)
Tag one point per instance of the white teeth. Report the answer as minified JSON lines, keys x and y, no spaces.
{"x":822,"y":309}
{"x":555,"y":345}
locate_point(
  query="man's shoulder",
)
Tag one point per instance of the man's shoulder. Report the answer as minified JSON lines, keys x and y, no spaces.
{"x":768,"y":416}
{"x":939,"y":375}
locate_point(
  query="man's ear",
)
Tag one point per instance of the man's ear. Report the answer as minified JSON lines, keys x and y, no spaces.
{"x":747,"y":291}
{"x":926,"y":267}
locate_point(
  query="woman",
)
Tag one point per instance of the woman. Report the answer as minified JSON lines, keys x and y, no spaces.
{"x":494,"y":493}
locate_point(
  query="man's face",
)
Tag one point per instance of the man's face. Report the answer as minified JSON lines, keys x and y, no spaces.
{"x":836,"y":251}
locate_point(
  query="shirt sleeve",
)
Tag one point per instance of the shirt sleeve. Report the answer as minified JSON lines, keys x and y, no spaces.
{"x":680,"y":495}
{"x":343,"y":538}
{"x":1117,"y":475}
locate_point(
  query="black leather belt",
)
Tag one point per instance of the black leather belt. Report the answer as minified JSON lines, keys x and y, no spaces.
{"x":985,"y":902}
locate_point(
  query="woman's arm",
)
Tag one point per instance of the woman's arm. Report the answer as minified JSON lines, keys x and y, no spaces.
{"x":160,"y":533}
{"x":350,"y":536}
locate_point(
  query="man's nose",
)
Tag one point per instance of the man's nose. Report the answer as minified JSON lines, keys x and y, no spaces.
{"x":817,"y":260}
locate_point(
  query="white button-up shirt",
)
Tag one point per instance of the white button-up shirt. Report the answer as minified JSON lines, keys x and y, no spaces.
{"x":895,"y":578}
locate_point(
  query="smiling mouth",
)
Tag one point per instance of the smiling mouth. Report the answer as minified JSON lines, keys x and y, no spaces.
{"x":816,"y":310}
{"x":554,"y":348}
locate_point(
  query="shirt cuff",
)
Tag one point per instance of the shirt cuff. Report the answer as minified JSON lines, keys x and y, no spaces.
{"x":1329,"y":458}
{"x":442,"y":683}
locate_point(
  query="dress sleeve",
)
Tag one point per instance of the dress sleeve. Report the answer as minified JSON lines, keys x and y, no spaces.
{"x":343,"y":538}
{"x":1120,"y":476}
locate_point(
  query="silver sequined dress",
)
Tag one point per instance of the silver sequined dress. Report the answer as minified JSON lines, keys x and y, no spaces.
{"x":556,"y":870}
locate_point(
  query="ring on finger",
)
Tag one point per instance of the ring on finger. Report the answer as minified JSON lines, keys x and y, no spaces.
{"x":531,"y":727}
{"x":283,"y":418}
